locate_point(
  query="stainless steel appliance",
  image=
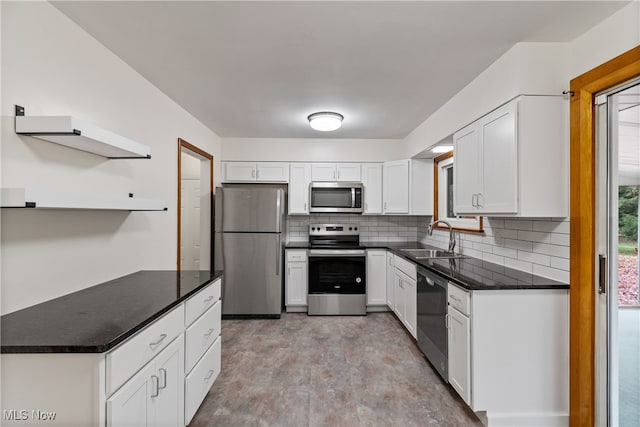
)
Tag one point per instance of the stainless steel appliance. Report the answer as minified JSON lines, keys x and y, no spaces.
{"x":332,"y":197}
{"x":337,"y":271}
{"x":432,"y":318}
{"x":249,"y":231}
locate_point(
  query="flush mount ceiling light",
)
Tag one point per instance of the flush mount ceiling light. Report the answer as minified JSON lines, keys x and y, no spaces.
{"x":442,"y":148}
{"x":325,"y":121}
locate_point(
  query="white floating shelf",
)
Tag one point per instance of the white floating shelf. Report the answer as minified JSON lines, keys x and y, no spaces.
{"x":80,"y":135}
{"x":41,"y":199}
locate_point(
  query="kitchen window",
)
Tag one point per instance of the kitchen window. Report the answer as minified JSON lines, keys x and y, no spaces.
{"x":443,"y":197}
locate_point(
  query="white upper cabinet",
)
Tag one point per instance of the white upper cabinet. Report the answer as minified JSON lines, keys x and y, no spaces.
{"x":514,"y":160}
{"x":239,"y":171}
{"x":372,"y":181}
{"x":299,"y":180}
{"x":272,"y":172}
{"x":408,"y":187}
{"x":345,"y":172}
{"x":255,"y":171}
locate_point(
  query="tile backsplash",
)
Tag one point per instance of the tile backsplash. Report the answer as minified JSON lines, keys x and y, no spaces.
{"x":538,"y":245}
{"x":372,"y":228}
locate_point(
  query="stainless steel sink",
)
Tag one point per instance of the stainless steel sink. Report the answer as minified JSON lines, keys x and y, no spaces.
{"x":431,"y":253}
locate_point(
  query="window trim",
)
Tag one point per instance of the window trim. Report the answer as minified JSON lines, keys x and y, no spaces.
{"x":474,"y":225}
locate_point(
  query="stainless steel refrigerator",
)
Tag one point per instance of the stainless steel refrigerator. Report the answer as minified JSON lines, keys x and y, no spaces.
{"x":249,"y":239}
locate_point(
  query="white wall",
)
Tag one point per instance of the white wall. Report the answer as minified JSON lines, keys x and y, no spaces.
{"x":610,"y":38}
{"x":51,"y":66}
{"x":305,"y":150}
{"x":527,"y":68}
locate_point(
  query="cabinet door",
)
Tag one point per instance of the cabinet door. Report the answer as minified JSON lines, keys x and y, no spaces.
{"x":299,"y":180}
{"x":323,"y":172}
{"x":398,"y":296}
{"x":466,"y":169}
{"x":239,"y":171}
{"x":499,"y":161}
{"x":348,"y":172}
{"x":372,"y":181}
{"x":272,"y":172}
{"x":459,"y":346}
{"x":410,"y":306}
{"x":391,"y":273}
{"x":396,"y":187}
{"x":131,"y":405}
{"x":376,"y":277}
{"x":296,"y":283}
{"x":168,"y":405}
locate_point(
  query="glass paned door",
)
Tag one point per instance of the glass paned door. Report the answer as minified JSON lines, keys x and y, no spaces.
{"x":618,"y":238}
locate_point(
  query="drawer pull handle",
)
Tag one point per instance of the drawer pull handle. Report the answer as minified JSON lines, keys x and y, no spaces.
{"x":155,"y":384}
{"x":455,"y":298}
{"x":208,"y":300}
{"x":208,"y":377}
{"x":158,"y":341}
{"x":163,"y":377}
{"x":209,"y":332}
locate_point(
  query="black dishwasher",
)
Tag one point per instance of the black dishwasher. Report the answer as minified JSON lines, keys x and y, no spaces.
{"x":432,"y":317}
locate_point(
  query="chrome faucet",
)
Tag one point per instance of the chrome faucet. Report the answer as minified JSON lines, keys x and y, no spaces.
{"x":452,"y":237}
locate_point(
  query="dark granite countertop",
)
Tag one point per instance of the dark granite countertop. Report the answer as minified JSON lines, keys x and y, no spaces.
{"x":469,"y":273}
{"x":96,"y":319}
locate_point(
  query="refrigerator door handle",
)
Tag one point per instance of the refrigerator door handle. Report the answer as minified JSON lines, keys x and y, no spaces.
{"x":279,"y":207}
{"x":278,"y":249}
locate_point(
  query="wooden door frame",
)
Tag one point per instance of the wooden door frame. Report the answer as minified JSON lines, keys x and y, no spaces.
{"x":582,"y":253}
{"x":184,"y":144}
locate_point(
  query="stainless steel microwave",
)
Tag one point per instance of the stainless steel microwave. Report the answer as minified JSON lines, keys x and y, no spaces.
{"x":336,"y":197}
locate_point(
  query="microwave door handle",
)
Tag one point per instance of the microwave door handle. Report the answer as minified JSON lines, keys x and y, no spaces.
{"x":353,"y":197}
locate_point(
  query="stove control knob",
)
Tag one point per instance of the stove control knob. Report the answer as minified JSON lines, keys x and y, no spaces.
{"x":350,"y":229}
{"x":356,"y":228}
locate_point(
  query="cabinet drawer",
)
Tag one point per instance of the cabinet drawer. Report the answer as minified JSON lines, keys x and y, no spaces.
{"x":296,"y":256}
{"x":406,"y":267}
{"x":200,"y":302}
{"x":134,"y":353}
{"x":202,"y":334}
{"x":200,"y":380}
{"x":459,"y":299}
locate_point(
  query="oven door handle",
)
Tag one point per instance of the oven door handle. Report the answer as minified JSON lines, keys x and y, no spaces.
{"x":336,"y":252}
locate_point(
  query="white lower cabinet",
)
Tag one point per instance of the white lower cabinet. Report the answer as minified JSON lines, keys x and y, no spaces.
{"x":405,"y":294}
{"x":131,"y":405}
{"x":410,"y":308}
{"x":155,"y":395}
{"x":508,"y":354}
{"x":200,"y":380}
{"x":202,"y":349}
{"x":459,"y":343}
{"x":140,"y":382}
{"x":376,"y":278}
{"x":391,"y":274}
{"x":296,"y":280}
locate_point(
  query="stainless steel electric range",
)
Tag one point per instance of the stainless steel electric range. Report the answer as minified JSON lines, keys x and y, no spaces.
{"x":337,"y":270}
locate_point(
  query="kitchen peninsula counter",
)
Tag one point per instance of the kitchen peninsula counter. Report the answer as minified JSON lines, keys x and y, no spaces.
{"x":98,"y":318}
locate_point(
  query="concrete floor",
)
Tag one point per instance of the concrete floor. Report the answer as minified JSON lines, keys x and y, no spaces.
{"x":327,"y":371}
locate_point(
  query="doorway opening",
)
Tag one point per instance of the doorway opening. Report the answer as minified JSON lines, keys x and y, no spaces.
{"x":195,"y":207}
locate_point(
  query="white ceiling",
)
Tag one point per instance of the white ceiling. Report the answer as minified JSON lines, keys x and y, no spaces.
{"x":257,"y":69}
